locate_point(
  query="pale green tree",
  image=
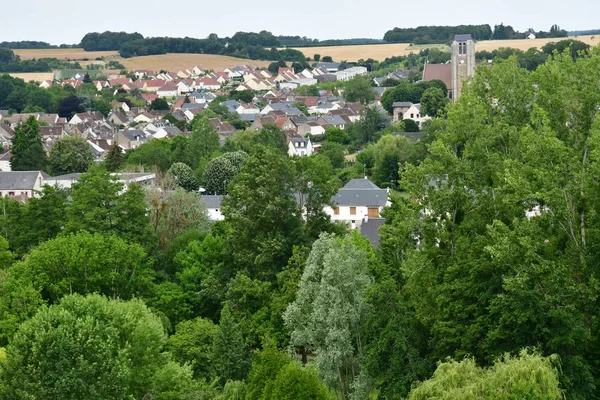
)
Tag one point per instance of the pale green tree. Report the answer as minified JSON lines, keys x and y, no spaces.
{"x":183,"y":176}
{"x":70,"y":154}
{"x":328,"y":314}
{"x":528,"y":376}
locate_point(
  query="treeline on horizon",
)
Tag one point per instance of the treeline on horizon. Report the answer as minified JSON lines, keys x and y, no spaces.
{"x":10,"y":62}
{"x":445,"y":34}
{"x":255,"y":46}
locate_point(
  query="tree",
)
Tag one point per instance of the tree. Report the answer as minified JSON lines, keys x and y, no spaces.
{"x":86,"y":263}
{"x":270,"y":135}
{"x":230,"y":356}
{"x":6,"y":257}
{"x":217,"y":175}
{"x":204,"y":140}
{"x":70,"y":154}
{"x":370,"y":123}
{"x":509,"y":378}
{"x":114,"y":159}
{"x":70,"y":106}
{"x":183,"y":176}
{"x":328,"y":313}
{"x":391,"y":153}
{"x":334,"y":152}
{"x":93,"y":348}
{"x":159,"y":104}
{"x":433,"y":102}
{"x":262,"y":212}
{"x":28,"y":153}
{"x":359,"y":90}
{"x":41,"y":219}
{"x":297,"y":382}
{"x":267,"y":364}
{"x":410,"y":125}
{"x":176,"y":213}
{"x":99,"y":204}
{"x":337,"y":135}
{"x":192,"y":343}
{"x":511,"y":195}
{"x":327,"y":59}
{"x":102,"y":106}
{"x":317,"y":57}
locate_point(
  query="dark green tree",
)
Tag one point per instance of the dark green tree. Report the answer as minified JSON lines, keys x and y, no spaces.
{"x":159,"y":104}
{"x":359,"y":90}
{"x":231,"y":358}
{"x":114,"y":159}
{"x":433,"y":102}
{"x":28,"y":153}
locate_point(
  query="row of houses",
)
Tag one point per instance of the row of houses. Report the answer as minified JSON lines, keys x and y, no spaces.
{"x":359,"y":203}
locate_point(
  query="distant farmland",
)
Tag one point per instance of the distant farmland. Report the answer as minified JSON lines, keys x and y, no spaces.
{"x":176,"y":62}
{"x":64,"y":54}
{"x":382,"y":51}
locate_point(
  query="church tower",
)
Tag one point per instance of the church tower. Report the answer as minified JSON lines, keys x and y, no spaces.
{"x":463,"y":62}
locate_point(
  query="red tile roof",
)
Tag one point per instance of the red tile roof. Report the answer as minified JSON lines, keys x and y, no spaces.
{"x":443,"y":72}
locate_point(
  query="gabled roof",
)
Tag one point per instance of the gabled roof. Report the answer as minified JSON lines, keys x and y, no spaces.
{"x":19,"y":180}
{"x":402,"y":104}
{"x":361,"y":192}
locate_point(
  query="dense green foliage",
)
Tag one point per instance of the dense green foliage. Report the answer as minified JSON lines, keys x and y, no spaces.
{"x":70,"y":154}
{"x":107,"y":40}
{"x":525,"y":377}
{"x":28,"y":153}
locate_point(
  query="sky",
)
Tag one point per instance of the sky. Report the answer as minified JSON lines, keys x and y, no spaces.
{"x":66,"y":21}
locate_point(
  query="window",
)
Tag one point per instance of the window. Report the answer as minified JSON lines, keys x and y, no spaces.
{"x":352,"y":210}
{"x":412,"y":115}
{"x":336,"y":211}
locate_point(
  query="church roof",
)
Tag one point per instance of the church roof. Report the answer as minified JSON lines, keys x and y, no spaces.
{"x":443,"y":72}
{"x":463,"y":38}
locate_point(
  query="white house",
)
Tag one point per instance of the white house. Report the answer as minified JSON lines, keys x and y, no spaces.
{"x":414,"y":113}
{"x":531,"y":36}
{"x":358,"y":200}
{"x":5,"y":162}
{"x":300,"y":147}
{"x":22,"y":185}
{"x":213,"y":206}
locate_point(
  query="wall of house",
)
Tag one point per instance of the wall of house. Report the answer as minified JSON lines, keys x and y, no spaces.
{"x":344,"y":214}
{"x":215,"y":214}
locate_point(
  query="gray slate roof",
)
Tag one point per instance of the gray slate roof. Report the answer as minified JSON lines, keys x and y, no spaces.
{"x":361,"y":192}
{"x":463,"y":38}
{"x":212,"y":200}
{"x":405,"y":104}
{"x":19,"y":180}
{"x":370,"y":230}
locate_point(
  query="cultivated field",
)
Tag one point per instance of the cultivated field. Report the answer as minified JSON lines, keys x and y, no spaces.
{"x":34,"y":76}
{"x":382,"y":51}
{"x":63,"y":54}
{"x":176,"y":62}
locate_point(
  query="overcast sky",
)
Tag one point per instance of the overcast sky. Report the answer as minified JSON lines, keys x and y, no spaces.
{"x":63,"y":21}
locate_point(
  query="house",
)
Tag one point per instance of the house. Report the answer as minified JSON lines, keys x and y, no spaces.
{"x":358,"y":200}
{"x":45,"y":84}
{"x":399,"y":110}
{"x":120,"y":105}
{"x":89,"y":116}
{"x":213,"y":206}
{"x":168,"y":90}
{"x":5,"y":162}
{"x":300,"y":147}
{"x":118,"y":118}
{"x":208,"y":83}
{"x":22,"y":185}
{"x":414,"y":113}
{"x":531,"y":36}
{"x":329,"y":67}
{"x":332,"y":120}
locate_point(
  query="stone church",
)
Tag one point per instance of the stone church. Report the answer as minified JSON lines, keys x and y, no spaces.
{"x":462,"y":66}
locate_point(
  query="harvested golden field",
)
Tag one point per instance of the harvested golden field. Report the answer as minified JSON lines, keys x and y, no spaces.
{"x":176,"y":62}
{"x":382,"y":51}
{"x":356,"y":52}
{"x":524,"y":44}
{"x":34,"y":76}
{"x":63,"y":54}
